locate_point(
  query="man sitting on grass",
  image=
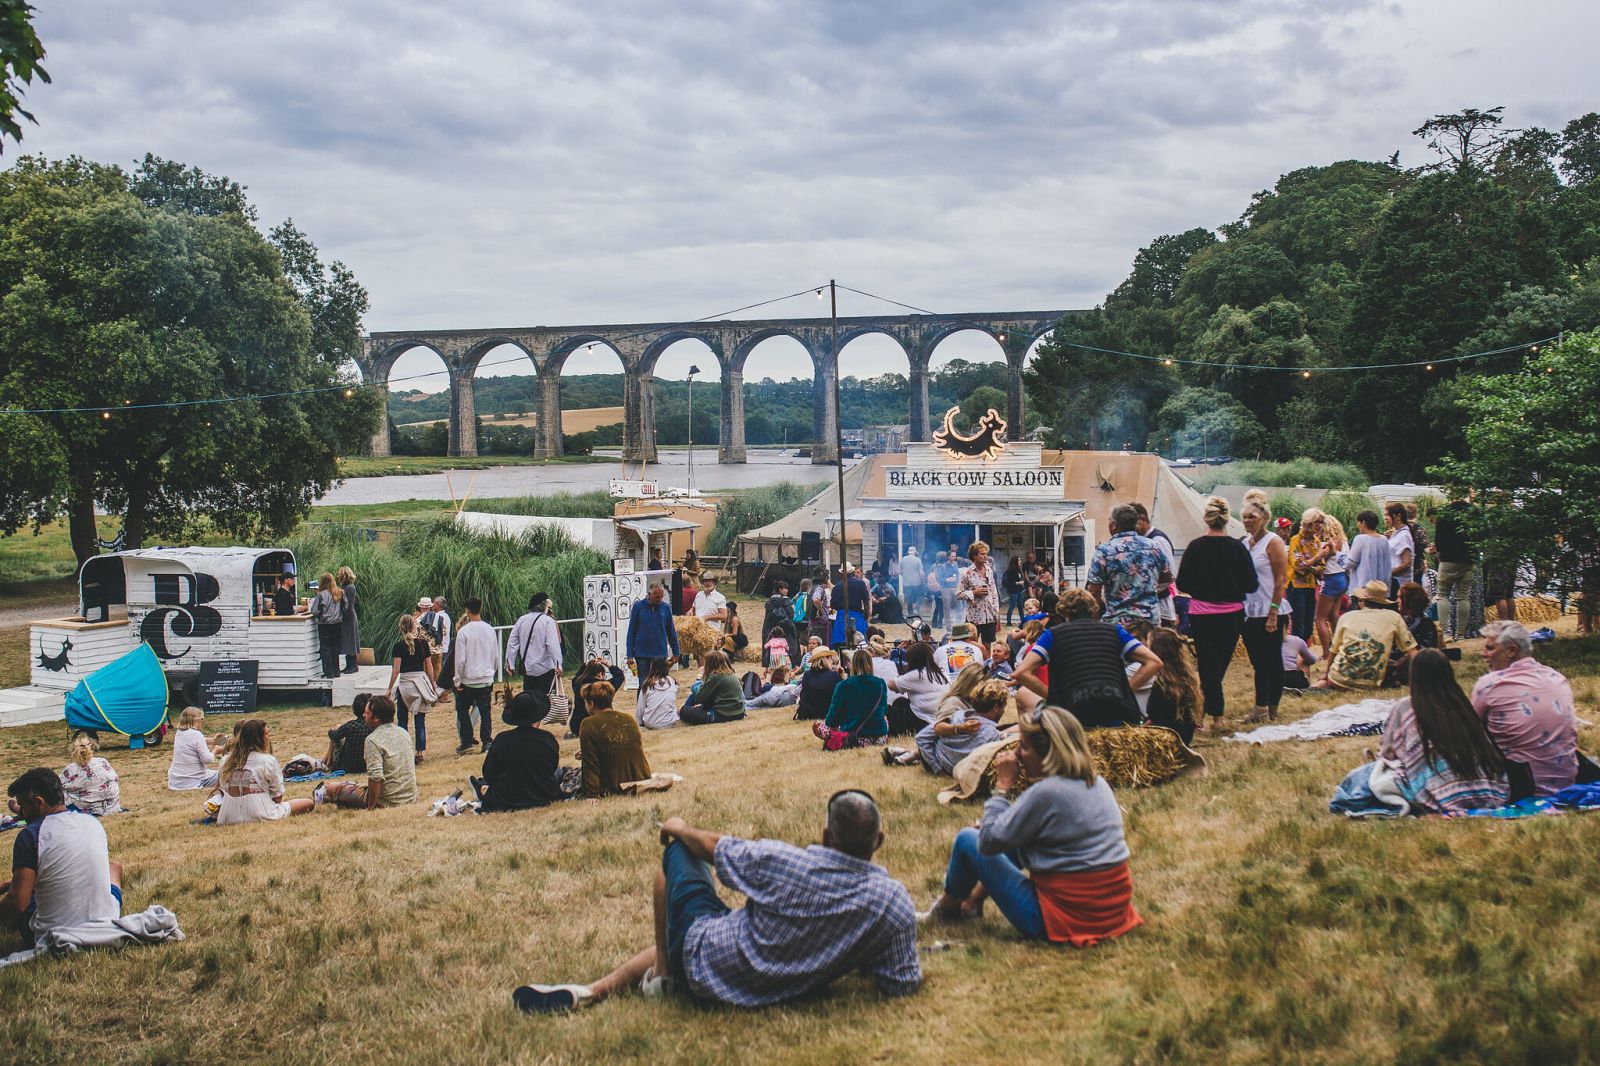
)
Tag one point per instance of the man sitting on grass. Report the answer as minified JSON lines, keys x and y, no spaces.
{"x":391,"y":765}
{"x":61,"y":869}
{"x":1528,"y":710}
{"x":810,"y":916}
{"x":347,"y":745}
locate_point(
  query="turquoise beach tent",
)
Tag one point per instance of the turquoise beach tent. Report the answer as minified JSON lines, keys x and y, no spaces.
{"x":128,"y":696}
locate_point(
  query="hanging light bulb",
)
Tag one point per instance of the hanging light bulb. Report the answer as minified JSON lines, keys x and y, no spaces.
{"x":1430,"y":366}
{"x":347,"y":392}
{"x":1166,"y":362}
{"x":1305,"y":373}
{"x":1534,"y":348}
{"x":819,"y":294}
{"x":1002,"y":338}
{"x":105,"y":415}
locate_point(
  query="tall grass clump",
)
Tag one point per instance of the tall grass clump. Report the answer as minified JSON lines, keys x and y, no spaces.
{"x":439,"y":559}
{"x":1346,"y":505}
{"x":1286,"y":505}
{"x":1308,"y":472}
{"x":752,"y":509}
{"x":596,"y":504}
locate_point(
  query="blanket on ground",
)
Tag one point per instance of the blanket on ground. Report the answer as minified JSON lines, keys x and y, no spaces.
{"x":152,"y":926}
{"x":316,"y":776}
{"x":1347,"y":720}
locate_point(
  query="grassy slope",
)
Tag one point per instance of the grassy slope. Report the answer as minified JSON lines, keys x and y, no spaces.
{"x":1275,"y":931}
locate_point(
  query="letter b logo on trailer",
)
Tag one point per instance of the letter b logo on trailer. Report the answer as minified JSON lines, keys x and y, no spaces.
{"x":181,"y":600}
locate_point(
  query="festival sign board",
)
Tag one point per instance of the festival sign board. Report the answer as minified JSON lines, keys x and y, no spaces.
{"x":228,"y":686}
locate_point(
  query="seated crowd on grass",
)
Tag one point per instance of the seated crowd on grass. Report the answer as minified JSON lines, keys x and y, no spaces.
{"x":1145,"y":645}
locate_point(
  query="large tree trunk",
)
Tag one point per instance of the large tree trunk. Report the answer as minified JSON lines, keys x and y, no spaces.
{"x":80,"y":518}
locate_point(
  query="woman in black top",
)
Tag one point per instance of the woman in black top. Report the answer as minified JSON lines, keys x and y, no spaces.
{"x":522,"y":766}
{"x":596,"y":669}
{"x":1216,"y":573}
{"x":817,"y":685}
{"x":1015,"y":586}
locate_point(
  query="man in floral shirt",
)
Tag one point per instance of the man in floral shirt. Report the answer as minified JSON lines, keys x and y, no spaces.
{"x":1128,"y":571}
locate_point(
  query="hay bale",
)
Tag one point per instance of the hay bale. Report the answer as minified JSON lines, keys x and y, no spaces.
{"x":695,"y":637}
{"x":1538,"y":610}
{"x":1138,"y":756}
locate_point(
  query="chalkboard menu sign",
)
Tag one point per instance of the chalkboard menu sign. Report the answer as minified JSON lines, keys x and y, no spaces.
{"x":228,"y":686}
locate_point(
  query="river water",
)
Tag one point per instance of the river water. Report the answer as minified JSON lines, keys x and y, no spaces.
{"x":764,"y":468}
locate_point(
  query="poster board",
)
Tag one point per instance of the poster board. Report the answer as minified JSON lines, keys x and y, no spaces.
{"x":228,"y":686}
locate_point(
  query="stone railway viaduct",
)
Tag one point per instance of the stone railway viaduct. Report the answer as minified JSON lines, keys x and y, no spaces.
{"x":640,"y":346}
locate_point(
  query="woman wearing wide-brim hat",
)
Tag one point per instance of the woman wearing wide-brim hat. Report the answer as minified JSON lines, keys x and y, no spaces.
{"x":1366,"y":639}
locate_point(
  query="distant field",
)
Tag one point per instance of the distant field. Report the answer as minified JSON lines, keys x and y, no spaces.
{"x":579,"y":421}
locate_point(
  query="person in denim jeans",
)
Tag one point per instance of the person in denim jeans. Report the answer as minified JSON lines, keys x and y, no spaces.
{"x":1064,"y":830}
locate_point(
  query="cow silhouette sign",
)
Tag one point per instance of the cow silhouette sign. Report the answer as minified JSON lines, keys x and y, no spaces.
{"x":988,"y":442}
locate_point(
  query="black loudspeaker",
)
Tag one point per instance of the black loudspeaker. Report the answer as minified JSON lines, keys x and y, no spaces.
{"x":810,"y":547}
{"x":1072,"y":551}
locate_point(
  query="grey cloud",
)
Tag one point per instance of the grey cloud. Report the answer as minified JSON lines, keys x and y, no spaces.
{"x":552,"y":161}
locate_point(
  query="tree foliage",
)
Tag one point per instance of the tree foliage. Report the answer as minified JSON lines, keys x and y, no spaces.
{"x":1533,"y":462}
{"x":150,"y":293}
{"x":1337,"y":267}
{"x":20,"y":56}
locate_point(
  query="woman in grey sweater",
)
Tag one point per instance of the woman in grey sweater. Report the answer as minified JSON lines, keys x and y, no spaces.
{"x":1065,"y":831}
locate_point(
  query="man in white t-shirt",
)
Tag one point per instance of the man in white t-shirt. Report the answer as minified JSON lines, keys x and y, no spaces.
{"x":710,"y":606}
{"x":61,"y":869}
{"x":1402,"y":547}
{"x":960,"y":651}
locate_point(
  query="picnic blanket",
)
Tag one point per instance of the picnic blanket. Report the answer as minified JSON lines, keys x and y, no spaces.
{"x":153,"y":926}
{"x":1579,"y":798}
{"x":316,"y":775}
{"x":1346,"y":720}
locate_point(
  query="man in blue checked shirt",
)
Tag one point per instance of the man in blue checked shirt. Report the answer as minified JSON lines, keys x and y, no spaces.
{"x":811,"y":915}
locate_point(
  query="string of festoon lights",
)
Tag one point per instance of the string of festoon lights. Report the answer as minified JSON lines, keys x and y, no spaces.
{"x":106,"y":411}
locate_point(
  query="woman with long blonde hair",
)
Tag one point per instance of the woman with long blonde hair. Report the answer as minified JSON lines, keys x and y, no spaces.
{"x":89,"y":782}
{"x":1335,"y":581}
{"x":412,"y":683}
{"x":958,"y":697}
{"x":349,"y":621}
{"x":1069,"y":881}
{"x":252,"y":780}
{"x":327,"y":611}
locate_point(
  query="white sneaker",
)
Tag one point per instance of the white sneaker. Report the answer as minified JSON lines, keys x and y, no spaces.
{"x":319,"y":795}
{"x":655,"y":986}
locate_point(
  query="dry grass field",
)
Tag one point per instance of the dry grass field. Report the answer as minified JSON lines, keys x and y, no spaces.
{"x":1275,"y":931}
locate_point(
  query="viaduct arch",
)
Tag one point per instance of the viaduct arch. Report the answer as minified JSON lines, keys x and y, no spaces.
{"x":640,"y":345}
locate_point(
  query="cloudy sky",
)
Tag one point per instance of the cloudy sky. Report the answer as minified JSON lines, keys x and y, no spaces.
{"x":548,"y":162}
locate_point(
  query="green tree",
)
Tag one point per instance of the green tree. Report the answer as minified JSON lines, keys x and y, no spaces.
{"x":1580,"y":149}
{"x":1197,"y":422}
{"x":1087,"y":397}
{"x":982,"y":399}
{"x":1466,"y":139}
{"x":1538,"y":491}
{"x":155,"y":307}
{"x":20,"y":55}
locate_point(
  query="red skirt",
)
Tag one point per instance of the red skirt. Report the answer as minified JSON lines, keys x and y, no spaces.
{"x":1082,"y":908}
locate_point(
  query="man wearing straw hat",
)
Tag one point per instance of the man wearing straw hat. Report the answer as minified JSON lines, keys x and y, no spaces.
{"x":1365,"y":639}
